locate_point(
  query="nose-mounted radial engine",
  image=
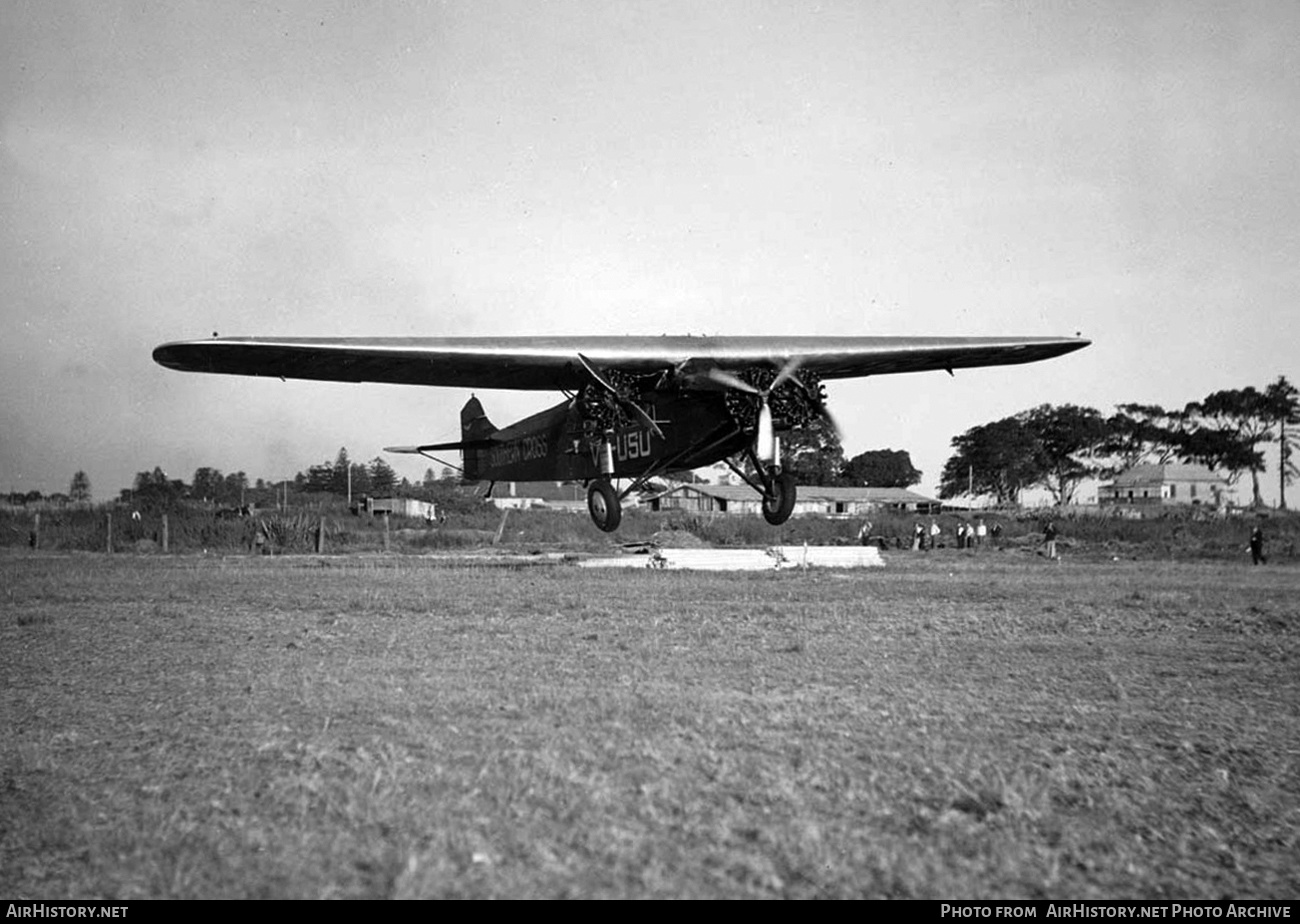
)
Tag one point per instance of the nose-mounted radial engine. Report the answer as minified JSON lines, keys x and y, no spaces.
{"x":761,"y":400}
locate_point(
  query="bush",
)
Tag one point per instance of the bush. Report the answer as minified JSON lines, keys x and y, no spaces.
{"x":194,"y":528}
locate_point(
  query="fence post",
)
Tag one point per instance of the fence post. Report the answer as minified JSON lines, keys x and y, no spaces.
{"x":108,"y":531}
{"x":320,"y":536}
{"x":164,"y":532}
{"x":35,"y":538}
{"x":385,"y":531}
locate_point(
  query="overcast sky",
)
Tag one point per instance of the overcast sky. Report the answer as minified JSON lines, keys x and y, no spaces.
{"x":167,"y":170}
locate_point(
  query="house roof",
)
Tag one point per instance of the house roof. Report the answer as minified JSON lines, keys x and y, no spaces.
{"x":743,"y":492}
{"x":1140,"y":475}
{"x":726,"y":492}
{"x":868,"y":495}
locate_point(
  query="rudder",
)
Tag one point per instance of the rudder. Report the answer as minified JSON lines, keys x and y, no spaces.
{"x":474,"y":425}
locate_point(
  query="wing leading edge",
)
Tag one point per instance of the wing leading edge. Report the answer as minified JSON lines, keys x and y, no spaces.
{"x":552,"y":363}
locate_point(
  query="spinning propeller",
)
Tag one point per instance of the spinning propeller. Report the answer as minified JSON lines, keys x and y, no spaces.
{"x":765,"y":441}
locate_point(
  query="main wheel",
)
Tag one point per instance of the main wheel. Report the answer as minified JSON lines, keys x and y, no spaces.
{"x":779,"y":504}
{"x":603,"y":505}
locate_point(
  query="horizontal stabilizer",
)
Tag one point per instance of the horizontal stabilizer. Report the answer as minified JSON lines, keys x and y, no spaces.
{"x":442,"y":447}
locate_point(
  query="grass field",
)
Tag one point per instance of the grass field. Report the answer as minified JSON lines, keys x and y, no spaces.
{"x":188,"y":727}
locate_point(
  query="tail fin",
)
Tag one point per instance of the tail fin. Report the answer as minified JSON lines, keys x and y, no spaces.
{"x":474,"y":426}
{"x":476,"y":437}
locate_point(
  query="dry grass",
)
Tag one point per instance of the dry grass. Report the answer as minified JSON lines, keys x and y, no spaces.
{"x":944,"y":727}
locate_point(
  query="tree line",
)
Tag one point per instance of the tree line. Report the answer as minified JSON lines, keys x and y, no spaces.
{"x":156,"y":490}
{"x":341,"y":478}
{"x":1049,"y":446}
{"x":1059,"y":447}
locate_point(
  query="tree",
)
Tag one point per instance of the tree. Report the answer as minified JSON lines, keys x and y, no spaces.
{"x":361,"y":482}
{"x":233,"y":488}
{"x":154,"y":491}
{"x":382,"y":477}
{"x":79,"y":489}
{"x":813,"y":453}
{"x":1234,"y":423}
{"x":318,"y":480}
{"x":1140,"y":433}
{"x":1220,"y":449}
{"x":341,"y":483}
{"x":1068,"y":439}
{"x":998,"y":459}
{"x":1284,"y":405}
{"x":207,"y":484}
{"x":881,"y":468}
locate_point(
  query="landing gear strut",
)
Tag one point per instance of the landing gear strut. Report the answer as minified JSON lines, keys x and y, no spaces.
{"x":775,"y":487}
{"x":604,"y":506}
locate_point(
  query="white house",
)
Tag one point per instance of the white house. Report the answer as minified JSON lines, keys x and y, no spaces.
{"x":1165,"y":485}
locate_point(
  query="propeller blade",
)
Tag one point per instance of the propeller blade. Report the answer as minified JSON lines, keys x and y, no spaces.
{"x":595,"y":374}
{"x":787,"y":372}
{"x":815,"y":399}
{"x":637,"y":411}
{"x":803,"y":387}
{"x":830,"y":420}
{"x":645,"y":418}
{"x":731,"y":381}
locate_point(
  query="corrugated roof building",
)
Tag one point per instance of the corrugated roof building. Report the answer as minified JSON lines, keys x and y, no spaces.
{"x":814,"y":499}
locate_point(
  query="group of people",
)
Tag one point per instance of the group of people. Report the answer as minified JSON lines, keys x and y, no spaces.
{"x":968,"y":535}
{"x":974,"y":535}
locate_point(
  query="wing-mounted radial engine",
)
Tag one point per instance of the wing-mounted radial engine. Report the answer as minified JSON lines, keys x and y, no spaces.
{"x":607,"y":404}
{"x":611,"y":400}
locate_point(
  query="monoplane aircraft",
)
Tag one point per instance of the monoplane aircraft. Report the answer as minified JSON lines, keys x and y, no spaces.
{"x":634,"y":407}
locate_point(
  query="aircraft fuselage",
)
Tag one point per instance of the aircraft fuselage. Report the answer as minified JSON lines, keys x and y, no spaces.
{"x":554,"y":446}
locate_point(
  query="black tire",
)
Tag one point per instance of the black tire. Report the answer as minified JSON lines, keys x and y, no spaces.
{"x":778,"y":505}
{"x":603,"y":505}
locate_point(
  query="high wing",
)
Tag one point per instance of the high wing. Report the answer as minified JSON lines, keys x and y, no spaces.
{"x":553,"y":363}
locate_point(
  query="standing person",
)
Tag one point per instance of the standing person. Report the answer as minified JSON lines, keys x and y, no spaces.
{"x":1257,"y":546}
{"x":935,"y":533}
{"x":864,"y":534}
{"x":1049,"y":538}
{"x":918,"y":537}
{"x":981,"y":531}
